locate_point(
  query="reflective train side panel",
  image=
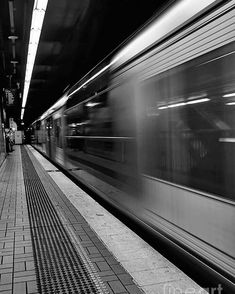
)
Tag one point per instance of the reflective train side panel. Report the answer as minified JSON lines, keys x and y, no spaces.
{"x":185,"y":99}
{"x":153,"y":131}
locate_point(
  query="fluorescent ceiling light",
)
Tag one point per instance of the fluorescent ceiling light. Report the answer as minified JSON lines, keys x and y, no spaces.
{"x":22,"y":113}
{"x":229,"y":95}
{"x":12,"y":37}
{"x":35,"y":32}
{"x":41,"y":4}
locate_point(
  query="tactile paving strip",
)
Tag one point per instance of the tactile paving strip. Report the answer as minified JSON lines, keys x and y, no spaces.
{"x":60,"y":267}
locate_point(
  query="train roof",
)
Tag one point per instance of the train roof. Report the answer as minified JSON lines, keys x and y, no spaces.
{"x":160,"y":27}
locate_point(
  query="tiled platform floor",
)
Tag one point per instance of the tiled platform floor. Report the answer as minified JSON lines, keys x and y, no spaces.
{"x":134,"y":263}
{"x":17,"y":266}
{"x":17,"y":270}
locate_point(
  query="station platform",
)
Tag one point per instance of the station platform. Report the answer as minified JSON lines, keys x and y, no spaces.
{"x":54,"y":238}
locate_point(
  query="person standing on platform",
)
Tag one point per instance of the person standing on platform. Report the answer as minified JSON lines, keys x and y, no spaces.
{"x":9,"y":140}
{"x":8,"y":145}
{"x":12,"y":139}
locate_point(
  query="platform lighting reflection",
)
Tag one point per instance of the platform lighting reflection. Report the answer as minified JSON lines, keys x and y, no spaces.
{"x":55,"y":106}
{"x":227,"y":140}
{"x":39,"y":10}
{"x":92,"y":78}
{"x":92,"y":104}
{"x":229,"y":95}
{"x":184,"y":103}
{"x":230,"y":103}
{"x":166,"y":23}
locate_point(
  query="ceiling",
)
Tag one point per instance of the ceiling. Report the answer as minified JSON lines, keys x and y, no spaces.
{"x":76,"y":35}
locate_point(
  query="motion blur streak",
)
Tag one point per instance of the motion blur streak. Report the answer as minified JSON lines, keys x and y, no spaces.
{"x":151,"y":130}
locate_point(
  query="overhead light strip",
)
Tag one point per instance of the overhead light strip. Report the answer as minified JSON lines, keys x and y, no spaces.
{"x":22,"y":113}
{"x":229,"y":95}
{"x":184,"y":103}
{"x":35,"y":32}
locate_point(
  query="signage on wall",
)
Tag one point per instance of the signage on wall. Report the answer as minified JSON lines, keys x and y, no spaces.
{"x":12,"y":124}
{"x":10,"y":96}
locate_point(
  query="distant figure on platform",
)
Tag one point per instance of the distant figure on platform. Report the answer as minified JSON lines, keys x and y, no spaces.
{"x":9,"y":140}
{"x":8,"y":146}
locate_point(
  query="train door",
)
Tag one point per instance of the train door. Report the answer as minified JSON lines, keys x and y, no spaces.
{"x":57,"y":138}
{"x":48,"y":136}
{"x":43,"y":131}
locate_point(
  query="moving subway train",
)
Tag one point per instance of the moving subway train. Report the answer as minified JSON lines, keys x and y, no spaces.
{"x":151,"y":129}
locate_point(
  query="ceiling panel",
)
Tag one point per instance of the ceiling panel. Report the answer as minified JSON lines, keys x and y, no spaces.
{"x":76,"y":35}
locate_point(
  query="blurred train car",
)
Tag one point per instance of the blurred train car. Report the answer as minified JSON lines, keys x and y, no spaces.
{"x":152,"y":129}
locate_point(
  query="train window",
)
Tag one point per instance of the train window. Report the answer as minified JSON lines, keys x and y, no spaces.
{"x":38,"y":125}
{"x":188,"y":129}
{"x":96,"y":86}
{"x":41,"y":133}
{"x":32,"y":136}
{"x":58,"y":135}
{"x":99,"y":121}
{"x":82,"y":119}
{"x":89,"y":128}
